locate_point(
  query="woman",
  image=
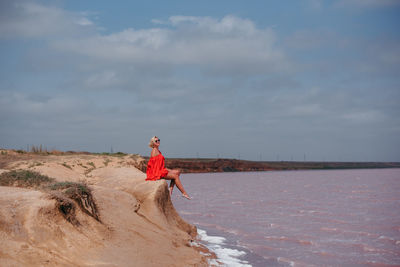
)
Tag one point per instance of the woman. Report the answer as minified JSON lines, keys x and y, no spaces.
{"x":156,"y":168}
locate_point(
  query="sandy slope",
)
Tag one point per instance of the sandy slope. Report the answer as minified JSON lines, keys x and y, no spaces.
{"x":139,"y":225}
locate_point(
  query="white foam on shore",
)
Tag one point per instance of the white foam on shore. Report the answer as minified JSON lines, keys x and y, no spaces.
{"x":225,"y":256}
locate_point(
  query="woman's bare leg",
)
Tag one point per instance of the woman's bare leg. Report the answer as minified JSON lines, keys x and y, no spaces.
{"x":174,"y":176}
{"x":171,"y":187}
{"x":171,"y":184}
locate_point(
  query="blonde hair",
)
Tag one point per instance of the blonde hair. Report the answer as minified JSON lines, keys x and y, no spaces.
{"x":152,"y":141}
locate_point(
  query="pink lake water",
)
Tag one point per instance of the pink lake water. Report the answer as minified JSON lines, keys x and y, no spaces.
{"x":297,"y":218}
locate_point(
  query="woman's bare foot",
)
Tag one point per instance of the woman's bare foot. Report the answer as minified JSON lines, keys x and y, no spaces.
{"x":170,"y":191}
{"x":186,"y":196}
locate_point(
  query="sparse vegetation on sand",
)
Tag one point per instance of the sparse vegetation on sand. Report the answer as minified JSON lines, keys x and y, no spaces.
{"x":65,"y":193}
{"x":24,"y":178}
{"x":117,"y":154}
{"x":92,"y":167}
{"x":91,"y":164}
{"x":106,"y":162}
{"x":66,"y":165}
{"x":34,"y":164}
{"x":83,"y":166}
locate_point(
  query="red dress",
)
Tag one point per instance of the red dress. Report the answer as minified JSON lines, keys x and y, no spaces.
{"x":156,"y":168}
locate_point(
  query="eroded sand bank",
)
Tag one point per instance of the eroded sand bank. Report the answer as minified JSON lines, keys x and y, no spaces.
{"x":139,"y":225}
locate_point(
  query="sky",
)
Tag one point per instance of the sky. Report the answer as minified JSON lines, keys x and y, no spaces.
{"x":258,"y":80}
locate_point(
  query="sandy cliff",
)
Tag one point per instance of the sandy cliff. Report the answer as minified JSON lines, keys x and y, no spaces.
{"x":137,"y":226}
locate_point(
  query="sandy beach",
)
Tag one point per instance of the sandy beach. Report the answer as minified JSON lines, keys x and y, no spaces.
{"x":137,"y":224}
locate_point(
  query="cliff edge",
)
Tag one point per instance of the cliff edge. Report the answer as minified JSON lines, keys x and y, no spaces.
{"x":137,"y":224}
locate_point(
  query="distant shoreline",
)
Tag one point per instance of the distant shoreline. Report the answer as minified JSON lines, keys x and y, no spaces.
{"x":194,"y":165}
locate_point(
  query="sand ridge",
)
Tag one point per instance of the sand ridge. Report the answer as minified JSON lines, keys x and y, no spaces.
{"x":139,"y":225}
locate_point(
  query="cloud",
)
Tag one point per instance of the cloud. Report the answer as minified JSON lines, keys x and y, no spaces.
{"x":316,"y":5}
{"x":367,"y":116}
{"x":105,"y":79}
{"x":229,"y":45}
{"x":20,"y":19}
{"x":228,"y":25}
{"x":362,"y":57}
{"x":308,"y":39}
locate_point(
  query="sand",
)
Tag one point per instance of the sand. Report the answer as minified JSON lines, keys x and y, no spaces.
{"x":138,"y":224}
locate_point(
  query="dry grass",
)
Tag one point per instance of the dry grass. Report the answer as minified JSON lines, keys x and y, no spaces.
{"x":106,"y":162}
{"x":65,"y":193}
{"x":39,"y":149}
{"x":91,"y":168}
{"x":66,"y":165}
{"x":117,"y":154}
{"x":24,"y":178}
{"x":91,"y":164}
